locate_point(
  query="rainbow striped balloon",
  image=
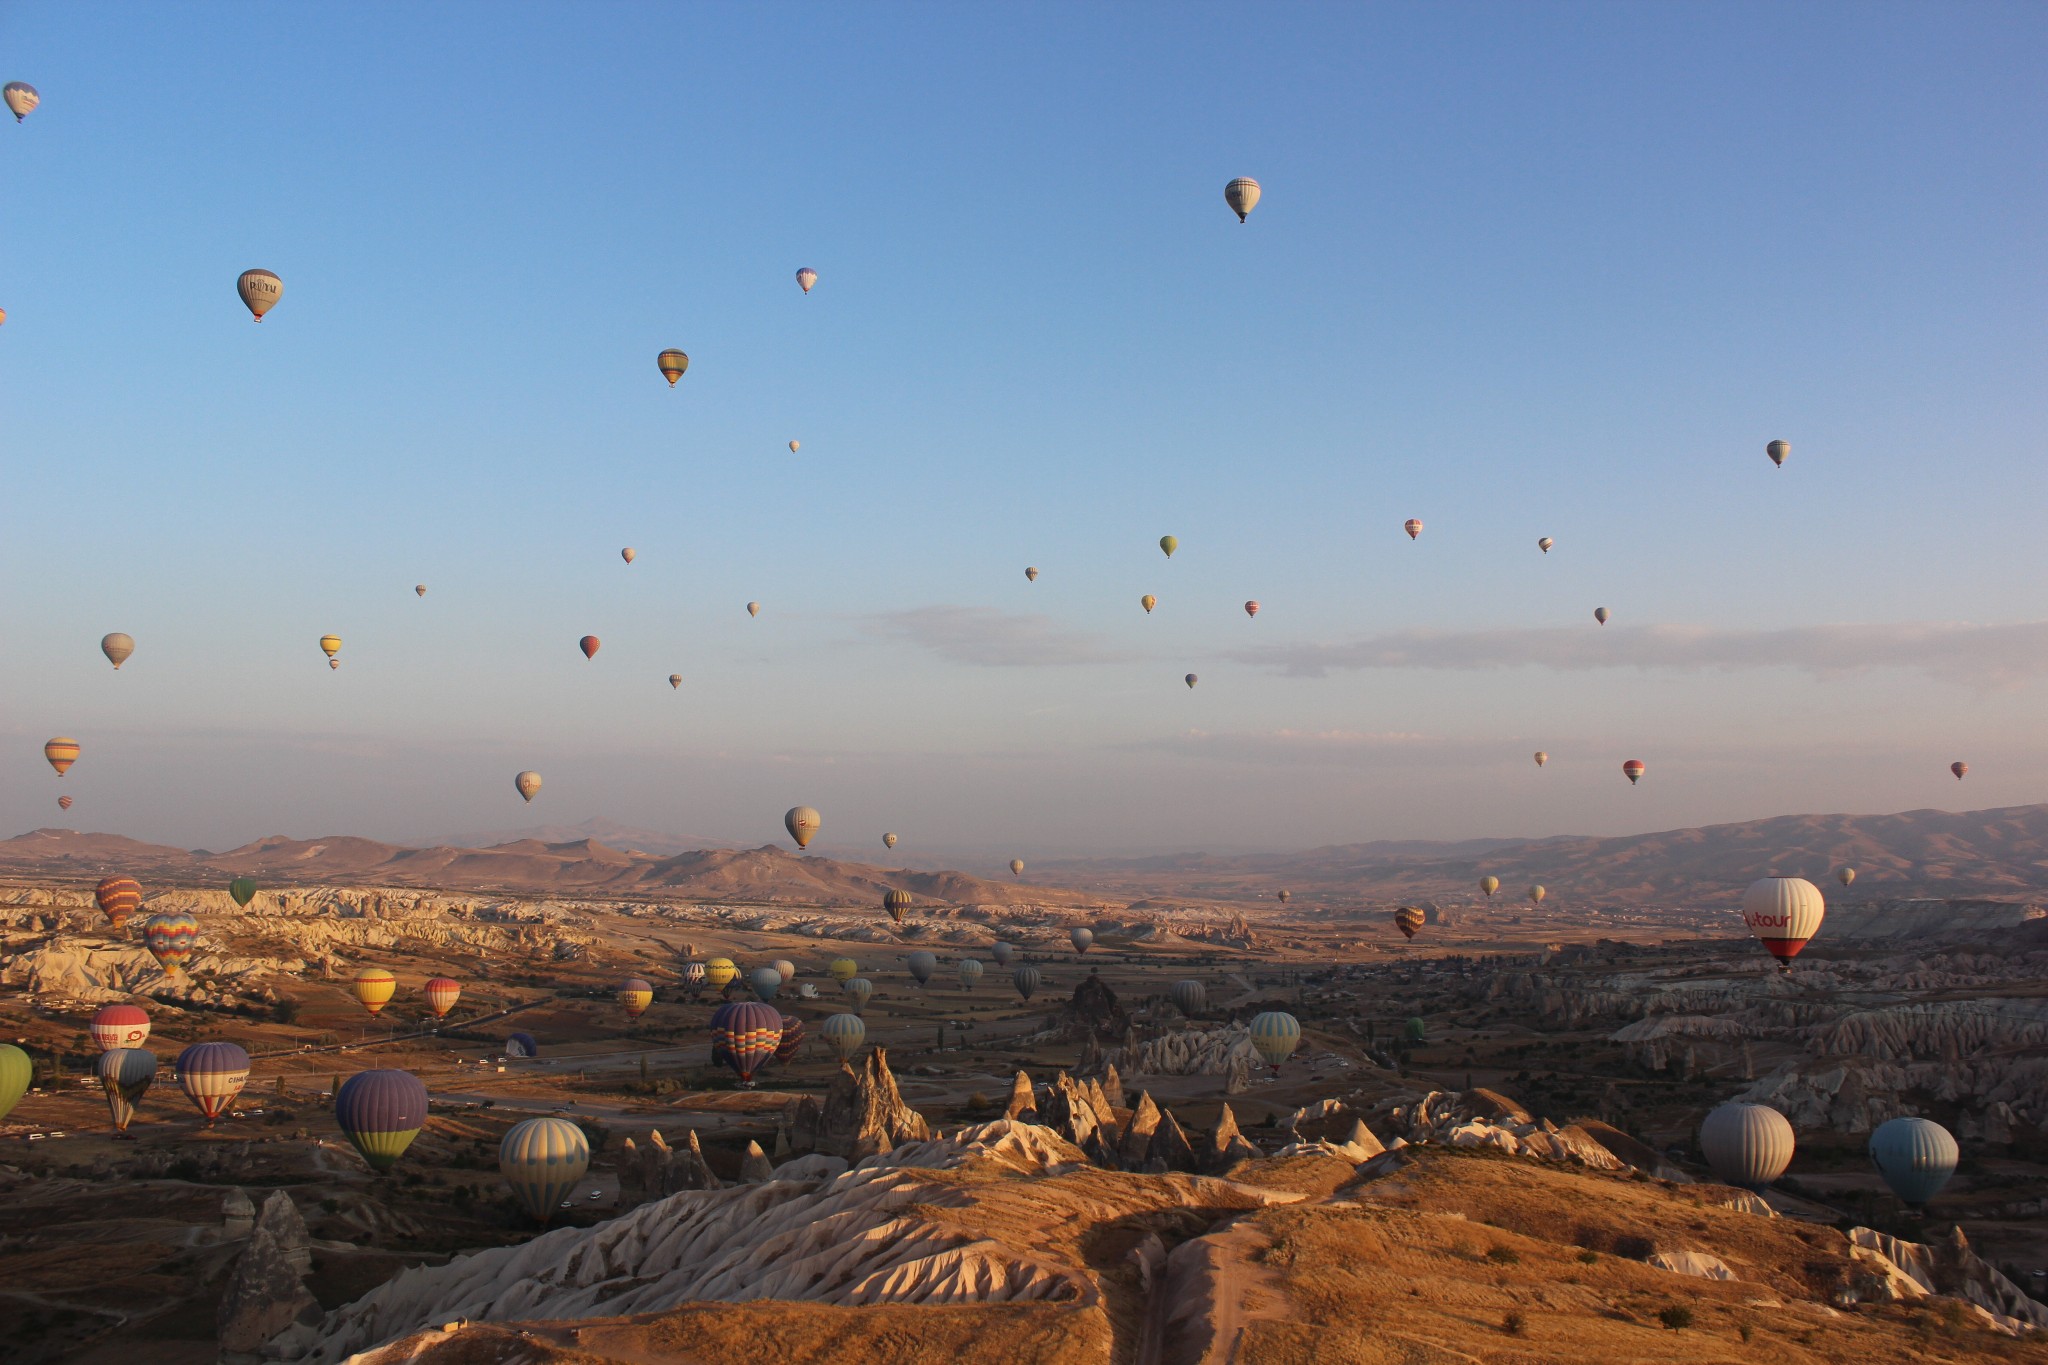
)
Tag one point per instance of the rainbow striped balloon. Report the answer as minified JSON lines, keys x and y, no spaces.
{"x":211,"y":1075}
{"x":118,"y":898}
{"x":748,"y":1035}
{"x":792,"y":1039}
{"x":171,"y":937}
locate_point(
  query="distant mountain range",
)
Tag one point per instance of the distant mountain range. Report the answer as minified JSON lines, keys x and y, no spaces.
{"x":1923,"y":853}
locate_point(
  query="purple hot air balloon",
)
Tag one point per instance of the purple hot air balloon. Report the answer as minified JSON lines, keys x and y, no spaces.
{"x":792,"y":1039}
{"x":381,"y":1112}
{"x":719,"y":1055}
{"x":211,"y":1075}
{"x":750,"y":1033}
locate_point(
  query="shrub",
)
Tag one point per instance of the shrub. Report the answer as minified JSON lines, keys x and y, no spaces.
{"x":1675,"y":1318}
{"x":1503,"y":1255}
{"x":1589,"y":1257}
{"x":1513,"y":1323}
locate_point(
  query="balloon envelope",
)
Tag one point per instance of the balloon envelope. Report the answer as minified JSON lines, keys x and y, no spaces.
{"x":1915,"y":1156}
{"x":1002,"y":953}
{"x":1846,"y":876}
{"x":1031,"y":575}
{"x":1545,"y":544}
{"x":117,"y":647}
{"x":970,"y":973}
{"x":1749,"y":1145}
{"x":675,"y":680}
{"x":1191,"y":680}
{"x":242,"y":890}
{"x":1025,"y":979}
{"x":860,"y":988}
{"x":1541,"y":758}
{"x":442,"y":993}
{"x":171,"y":937}
{"x":843,"y":1033}
{"x":118,"y":898}
{"x":672,"y":364}
{"x":636,"y":995}
{"x":1778,"y":450}
{"x":921,"y":965}
{"x":896,"y":903}
{"x":1169,"y":544}
{"x":843,"y":969}
{"x":802,"y":823}
{"x":629,"y":554}
{"x":1189,"y":997}
{"x":753,"y":608}
{"x":374,"y":987}
{"x":1536,"y":895}
{"x":1242,"y":194}
{"x":805,"y":278}
{"x":125,"y":1075}
{"x":1276,"y":1034}
{"x":211,"y":1075}
{"x":1148,"y":601}
{"x":260,"y":290}
{"x":792,"y":1039}
{"x":1632,"y":770}
{"x":330,"y":645}
{"x":1413,"y":526}
{"x":61,"y":752}
{"x":16,"y":1071}
{"x":720,"y":972}
{"x":1489,"y":885}
{"x":747,"y":1035}
{"x":766,"y":981}
{"x":1783,"y":912}
{"x":888,"y":841}
{"x":527,"y":784}
{"x":1251,"y":609}
{"x":1959,"y":769}
{"x":522,"y":1045}
{"x":1408,"y":919}
{"x":786,"y":967}
{"x":119,"y":1026}
{"x":589,"y":644}
{"x":381,"y":1112}
{"x":543,"y":1160}
{"x":1600,"y":615}
{"x":1016,"y":867}
{"x":63,"y":803}
{"x":1081,"y":939}
{"x":21,"y":98}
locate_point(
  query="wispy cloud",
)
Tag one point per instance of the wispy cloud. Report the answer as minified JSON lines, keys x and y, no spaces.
{"x":1313,"y":747}
{"x":991,"y":638}
{"x":1997,"y":656}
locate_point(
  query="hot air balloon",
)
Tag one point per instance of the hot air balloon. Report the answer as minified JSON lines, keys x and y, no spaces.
{"x":16,"y":1071}
{"x":794,"y":447}
{"x":242,"y":890}
{"x":589,"y":644}
{"x":1632,"y":770}
{"x":888,"y":841}
{"x":1415,"y":1030}
{"x":1783,"y":912}
{"x":419,"y":589}
{"x":119,"y":1026}
{"x":791,"y":1040}
{"x":1081,"y":938}
{"x":1915,"y":1156}
{"x":1016,"y":867}
{"x":1276,"y":1034}
{"x":1251,"y":609}
{"x":522,"y":1045}
{"x":860,"y":988}
{"x":1148,"y":601}
{"x":381,"y":1112}
{"x":1169,"y":544}
{"x":62,"y":752}
{"x":260,"y":291}
{"x":1489,"y":885}
{"x":1748,"y":1145}
{"x":1242,"y":194}
{"x":1030,"y":575}
{"x":211,"y":1075}
{"x":921,"y":965}
{"x":672,"y":364}
{"x":629,"y":554}
{"x":753,"y":608}
{"x":805,"y":278}
{"x":1003,"y":953}
{"x":843,"y":1033}
{"x":675,"y":680}
{"x":1778,"y":450}
{"x":21,"y":98}
{"x":896,"y":903}
{"x":1959,"y":769}
{"x":1846,"y":876}
{"x":1191,"y":680}
{"x":118,"y":898}
{"x":374,"y":987}
{"x":747,"y":1036}
{"x":1600,"y":615}
{"x":1284,"y":895}
{"x":636,"y":995}
{"x":786,"y":967}
{"x":802,"y":823}
{"x":1536,"y":895}
{"x":543,"y":1160}
{"x":1189,"y":997}
{"x":117,"y":647}
{"x":1413,"y":526}
{"x":693,"y":978}
{"x":171,"y":936}
{"x":527,"y":784}
{"x":63,"y":803}
{"x":766,"y":981}
{"x":1408,"y":919}
{"x":969,"y":972}
{"x":1544,"y":544}
{"x":442,"y":993}
{"x":330,"y":645}
{"x":1025,"y":979}
{"x":842,"y":969}
{"x":125,"y":1075}
{"x":1541,"y":758}
{"x":720,"y":972}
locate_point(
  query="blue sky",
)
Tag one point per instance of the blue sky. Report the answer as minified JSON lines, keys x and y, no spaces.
{"x":1518,"y":271}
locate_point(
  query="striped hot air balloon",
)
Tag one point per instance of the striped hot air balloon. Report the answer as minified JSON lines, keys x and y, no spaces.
{"x":805,"y":278}
{"x":260,"y":290}
{"x":693,"y":977}
{"x":1632,"y":770}
{"x":16,"y":1071}
{"x":897,"y":903}
{"x":118,"y":897}
{"x":843,"y":969}
{"x":720,"y":972}
{"x":860,"y":988}
{"x":843,"y":1033}
{"x":1242,"y":194}
{"x":374,"y":987}
{"x":719,"y":1055}
{"x":1025,"y":979}
{"x":970,"y":973}
{"x":61,"y":752}
{"x":119,"y":1026}
{"x":1082,"y":939}
{"x":381,"y":1112}
{"x":1489,"y":885}
{"x":1749,"y":1145}
{"x":125,"y":1073}
{"x":442,"y":993}
{"x":636,"y":995}
{"x":673,"y":365}
{"x":1783,"y":912}
{"x":22,"y":100}
{"x":63,"y":803}
{"x":1413,"y":526}
{"x":792,"y":1039}
{"x":543,"y":1160}
{"x":211,"y":1075}
{"x":1189,"y":997}
{"x":748,"y":1035}
{"x":1409,"y":920}
{"x":1276,"y":1034}
{"x":1915,"y":1156}
{"x":171,"y":937}
{"x":243,"y":890}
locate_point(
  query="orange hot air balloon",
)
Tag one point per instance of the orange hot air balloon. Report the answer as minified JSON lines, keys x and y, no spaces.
{"x":1408,"y":920}
{"x":1413,"y":526}
{"x":1251,"y":609}
{"x":374,"y":987}
{"x":1632,"y":769}
{"x":62,"y":753}
{"x":63,"y":803}
{"x":1957,"y":768}
{"x":442,"y":993}
{"x":589,"y":645}
{"x":118,"y":897}
{"x":629,"y":554}
{"x":673,"y":363}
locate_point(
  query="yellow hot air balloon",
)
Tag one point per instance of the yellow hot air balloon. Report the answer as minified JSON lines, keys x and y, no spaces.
{"x":1846,"y":875}
{"x":1148,"y":601}
{"x":1169,"y":544}
{"x":802,"y":823}
{"x":330,"y":645}
{"x":260,"y":291}
{"x":1242,"y":194}
{"x":1536,"y":895}
{"x":61,"y":752}
{"x":843,"y":969}
{"x":374,"y":987}
{"x":1489,"y":885}
{"x":117,"y":647}
{"x":673,"y":363}
{"x":527,"y":784}
{"x":720,"y":972}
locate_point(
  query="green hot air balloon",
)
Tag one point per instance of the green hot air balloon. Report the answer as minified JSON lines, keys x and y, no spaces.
{"x":16,"y":1071}
{"x":243,"y":889}
{"x":1169,"y":544}
{"x":1276,"y":1034}
{"x":543,"y":1160}
{"x":1415,"y":1030}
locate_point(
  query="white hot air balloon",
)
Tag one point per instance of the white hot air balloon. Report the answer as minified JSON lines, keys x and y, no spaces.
{"x":527,"y":783}
{"x":1242,"y":194}
{"x":805,"y":278}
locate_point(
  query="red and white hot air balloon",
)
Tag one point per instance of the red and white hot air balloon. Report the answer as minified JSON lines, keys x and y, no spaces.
{"x":1783,"y":912}
{"x":1959,"y":768}
{"x":1632,"y":770}
{"x":1251,"y":609}
{"x":442,"y":994}
{"x":1413,"y":526}
{"x":119,"y":1026}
